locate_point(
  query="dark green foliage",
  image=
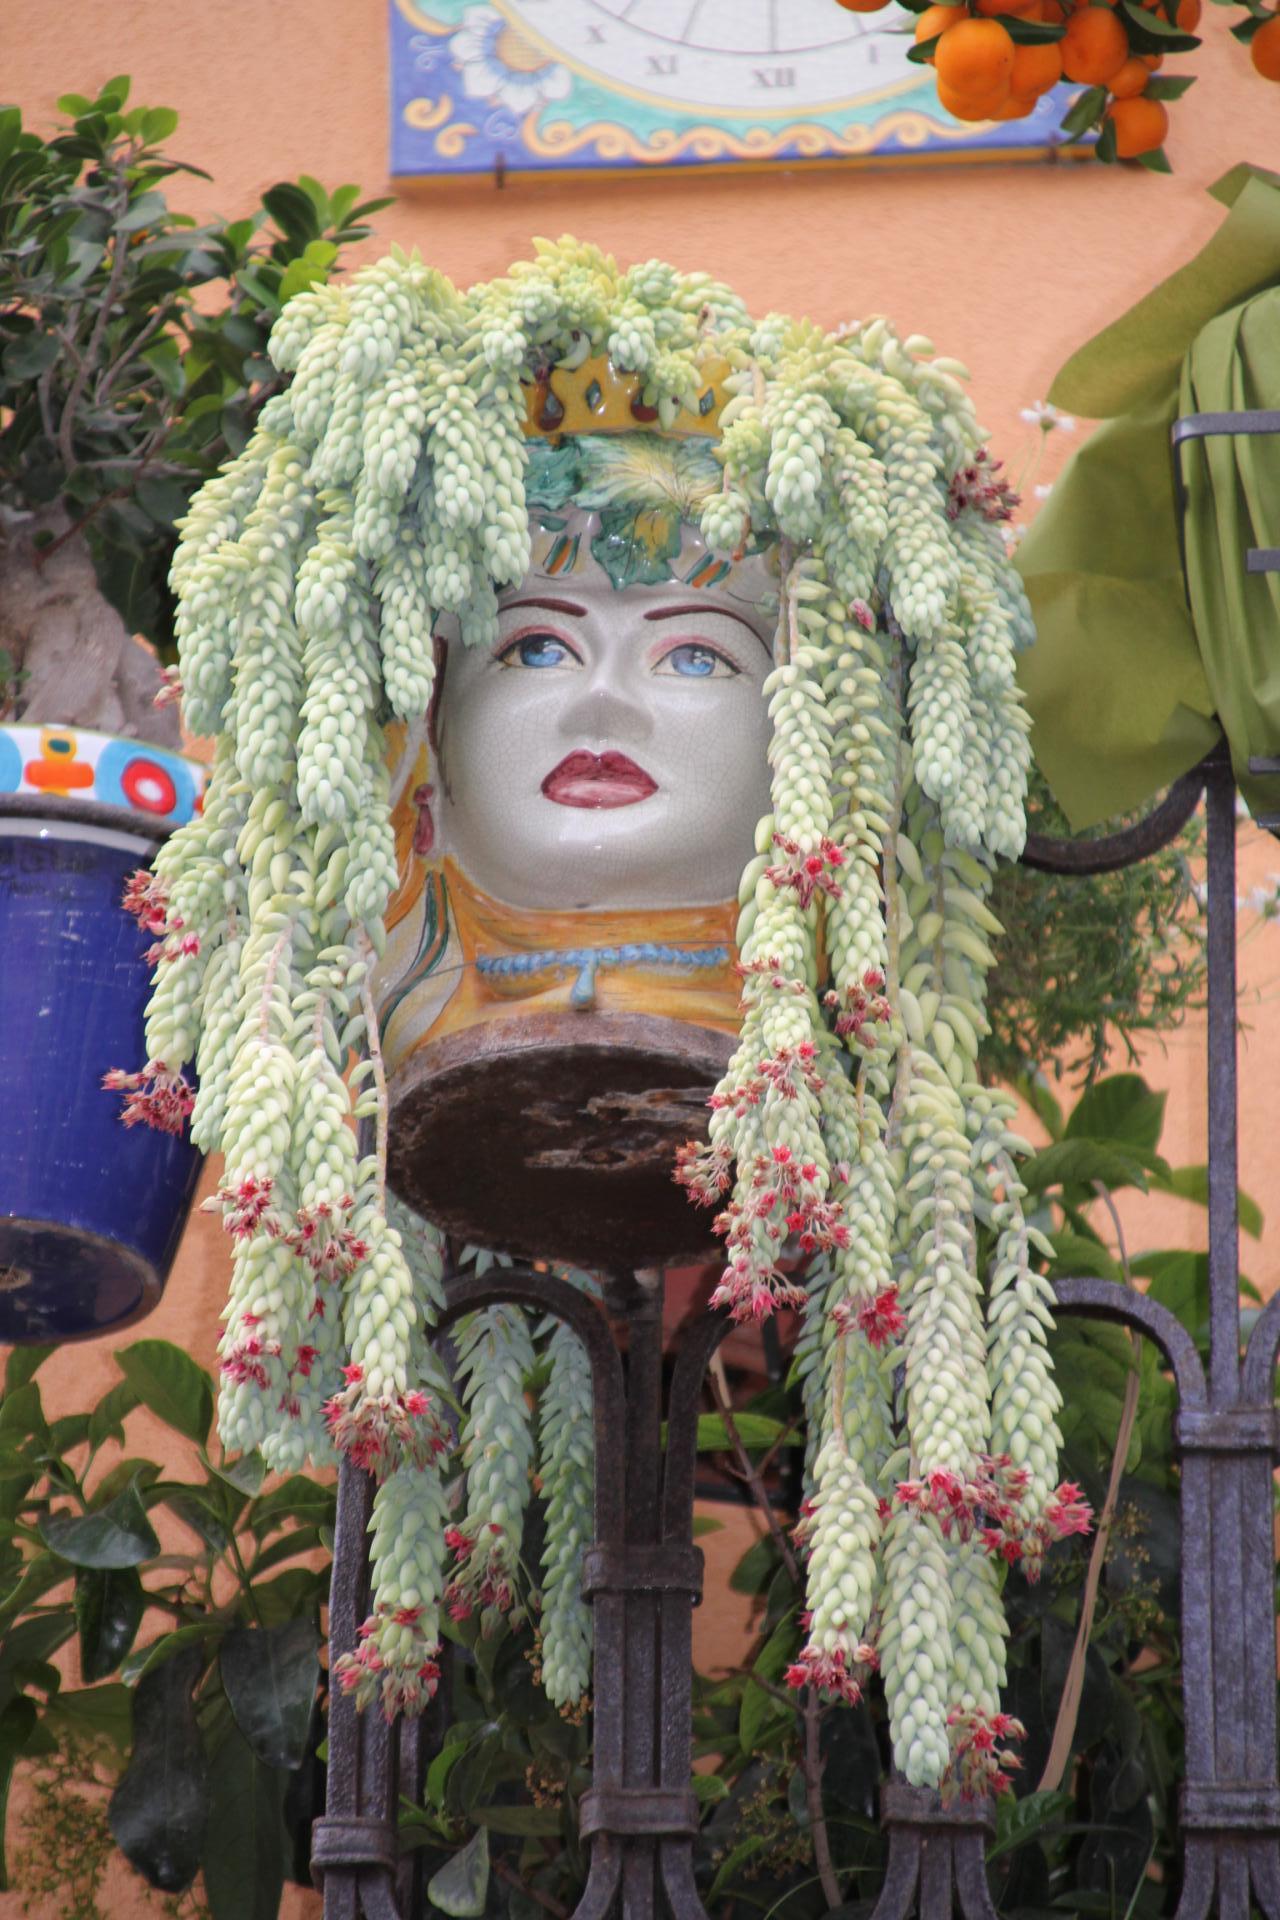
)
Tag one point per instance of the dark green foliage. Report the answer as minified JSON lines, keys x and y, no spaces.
{"x":215,"y":1724}
{"x":1087,"y":962}
{"x":132,"y":340}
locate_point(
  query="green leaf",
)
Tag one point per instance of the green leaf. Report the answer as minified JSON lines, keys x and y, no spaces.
{"x":246,"y":1847}
{"x":74,"y":105}
{"x":703,"y":1523}
{"x":22,"y":1365}
{"x":298,"y":1499}
{"x":159,"y":1808}
{"x":1156,"y":161}
{"x":756,"y":1568}
{"x":439,"y":1770}
{"x":94,"y":1714}
{"x":1192,"y":1183}
{"x":170,"y":1383}
{"x":1033,"y":1087}
{"x":1169,"y":86}
{"x":145,"y":1660}
{"x":1150,"y":32}
{"x":290,"y":1594}
{"x":245,"y":1474}
{"x":1029,"y":33}
{"x":287,"y":1546}
{"x":26,"y":1647}
{"x":1076,"y":1164}
{"x":157,"y":124}
{"x":312,"y":265}
{"x":21,"y":1413}
{"x":164,"y":501}
{"x":753,"y":1429}
{"x":461,"y":1886}
{"x":1077,"y":1256}
{"x":37,"y":1576}
{"x":106,"y":1422}
{"x":270,"y":1677}
{"x":125,"y":1473}
{"x":293,"y":211}
{"x":17,"y":1723}
{"x":1018,"y":1821}
{"x":117,"y":1535}
{"x":760,"y":1712}
{"x":519,"y":1821}
{"x":109,"y":1604}
{"x":115,"y":91}
{"x":1105,"y":150}
{"x":738,"y":1857}
{"x":1121,"y":1108}
{"x":197,"y":1511}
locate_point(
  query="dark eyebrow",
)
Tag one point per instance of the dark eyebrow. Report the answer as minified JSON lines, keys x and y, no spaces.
{"x":707,"y":606}
{"x":553,"y":606}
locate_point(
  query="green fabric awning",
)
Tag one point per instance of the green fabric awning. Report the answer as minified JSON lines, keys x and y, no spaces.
{"x":1129,"y":685}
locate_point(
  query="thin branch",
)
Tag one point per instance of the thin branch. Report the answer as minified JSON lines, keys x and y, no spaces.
{"x":107,"y":380}
{"x":810,"y":1712}
{"x":119,"y":266}
{"x":543,"y":1900}
{"x":1055,"y":1766}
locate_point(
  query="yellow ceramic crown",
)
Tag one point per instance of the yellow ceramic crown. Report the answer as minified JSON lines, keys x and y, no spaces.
{"x":597,"y":398}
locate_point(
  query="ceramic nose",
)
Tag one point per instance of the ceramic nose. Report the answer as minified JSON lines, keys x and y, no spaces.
{"x":606,"y":709}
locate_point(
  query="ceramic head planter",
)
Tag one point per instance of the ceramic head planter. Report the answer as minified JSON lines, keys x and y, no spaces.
{"x":388,"y":492}
{"x":559,"y":987}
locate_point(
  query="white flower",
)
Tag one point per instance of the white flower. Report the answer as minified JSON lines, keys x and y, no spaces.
{"x":1043,"y":491}
{"x":1046,"y":416}
{"x":500,"y":64}
{"x":1262,"y":900}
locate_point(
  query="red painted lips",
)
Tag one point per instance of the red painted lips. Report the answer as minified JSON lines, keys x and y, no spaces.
{"x":597,"y":780}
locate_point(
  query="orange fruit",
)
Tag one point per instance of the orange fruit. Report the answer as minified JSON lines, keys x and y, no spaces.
{"x":1140,"y":125}
{"x":1021,"y":9}
{"x":961,"y":107}
{"x":1152,"y":61}
{"x":1131,"y":79}
{"x":1264,"y":48}
{"x":1094,"y":46}
{"x":1052,"y":12}
{"x":862,"y":6}
{"x":1188,"y":15}
{"x":936,"y":20}
{"x":1035,"y":70}
{"x":975,"y":63}
{"x":1016,"y":107}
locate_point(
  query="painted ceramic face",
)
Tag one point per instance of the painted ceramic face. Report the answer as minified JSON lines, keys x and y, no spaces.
{"x":609,"y":750}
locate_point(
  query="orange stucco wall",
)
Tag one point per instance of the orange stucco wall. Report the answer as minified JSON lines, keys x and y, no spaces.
{"x":1006,"y":268}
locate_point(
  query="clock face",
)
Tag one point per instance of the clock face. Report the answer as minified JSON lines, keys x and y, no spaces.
{"x":480,"y":85}
{"x":764,"y":58}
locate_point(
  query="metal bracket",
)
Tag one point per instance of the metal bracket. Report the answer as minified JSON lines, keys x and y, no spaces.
{"x":1204,"y":426}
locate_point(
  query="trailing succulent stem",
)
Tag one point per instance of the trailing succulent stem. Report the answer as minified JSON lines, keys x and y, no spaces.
{"x":386,"y":487}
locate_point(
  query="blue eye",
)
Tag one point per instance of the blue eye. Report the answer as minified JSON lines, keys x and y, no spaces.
{"x":696,"y":663}
{"x":538,"y":650}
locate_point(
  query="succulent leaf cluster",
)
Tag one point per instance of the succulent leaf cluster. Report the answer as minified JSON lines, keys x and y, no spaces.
{"x":385,"y":487}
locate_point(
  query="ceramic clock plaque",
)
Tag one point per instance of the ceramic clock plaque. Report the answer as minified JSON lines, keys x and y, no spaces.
{"x":590,"y":84}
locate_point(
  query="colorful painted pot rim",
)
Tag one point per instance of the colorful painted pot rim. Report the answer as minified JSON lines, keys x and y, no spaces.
{"x":97,"y":779}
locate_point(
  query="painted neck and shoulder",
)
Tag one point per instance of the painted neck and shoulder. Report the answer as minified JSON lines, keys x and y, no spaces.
{"x":599,"y":772}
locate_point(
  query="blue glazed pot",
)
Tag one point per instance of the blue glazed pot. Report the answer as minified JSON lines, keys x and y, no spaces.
{"x":91,"y":1211}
